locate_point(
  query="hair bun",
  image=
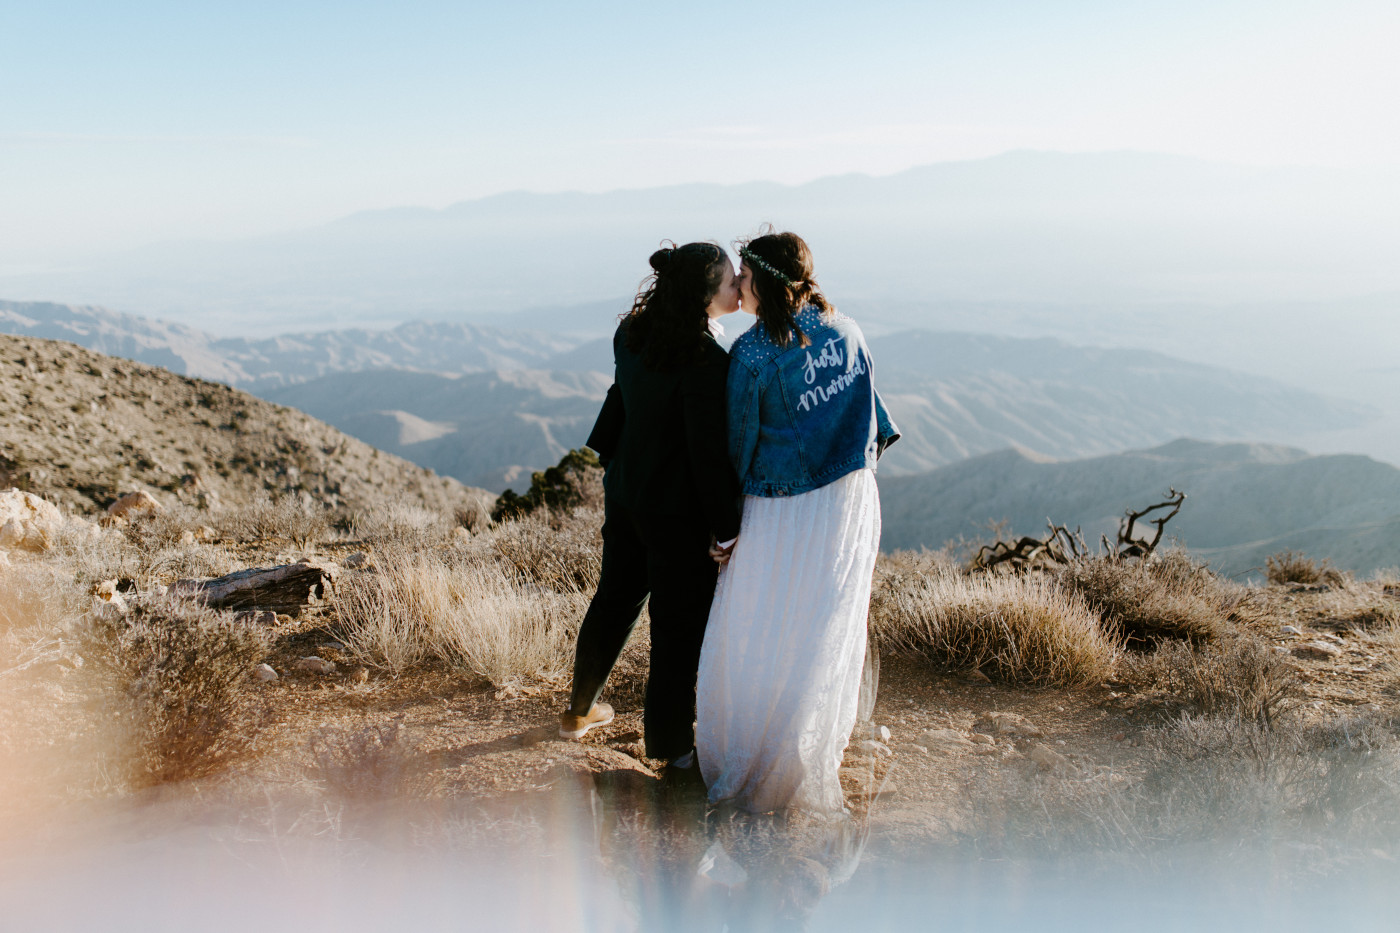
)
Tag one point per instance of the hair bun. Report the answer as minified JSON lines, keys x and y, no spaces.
{"x":661,"y":259}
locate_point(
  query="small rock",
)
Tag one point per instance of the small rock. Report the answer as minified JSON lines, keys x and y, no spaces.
{"x":883,"y":734}
{"x":4,"y":559}
{"x":1047,"y":759}
{"x":977,"y":738}
{"x":1330,"y":637}
{"x":187,"y":537}
{"x":328,"y":646}
{"x":1118,"y":737}
{"x":977,"y":677}
{"x":945,"y":740}
{"x":265,"y":673}
{"x":1317,"y":651}
{"x":1006,"y":724}
{"x":360,"y":675}
{"x":255,"y":617}
{"x":316,"y":665}
{"x":356,"y":561}
{"x":871,"y":748}
{"x":1291,"y":630}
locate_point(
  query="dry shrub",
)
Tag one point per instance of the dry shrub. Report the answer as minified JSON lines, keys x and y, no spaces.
{"x":109,"y":555}
{"x":1018,"y":629}
{"x":562,"y":551}
{"x":288,"y":517}
{"x":425,"y":605}
{"x":400,"y":524}
{"x":181,"y":668}
{"x":1168,"y":596}
{"x":1241,"y":678}
{"x":1317,"y":789}
{"x":1288,"y":567}
{"x":1364,"y":607}
{"x":166,"y":529}
{"x":360,"y":763}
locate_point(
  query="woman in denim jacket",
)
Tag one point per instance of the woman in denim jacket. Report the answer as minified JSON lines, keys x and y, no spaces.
{"x":781,"y":663}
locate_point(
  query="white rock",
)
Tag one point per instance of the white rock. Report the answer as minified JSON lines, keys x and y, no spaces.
{"x":883,"y":734}
{"x":316,"y":665}
{"x":265,"y":673}
{"x":943,"y":740}
{"x":4,"y":560}
{"x":1291,"y":630}
{"x":1047,"y":759}
{"x":28,"y":522}
{"x":870,"y":747}
{"x":1317,"y":651}
{"x":1006,"y":724}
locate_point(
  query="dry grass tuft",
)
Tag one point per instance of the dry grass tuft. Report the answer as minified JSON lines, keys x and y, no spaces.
{"x":1168,"y":596}
{"x":111,"y":555}
{"x":1017,"y":629}
{"x":38,"y":606}
{"x":181,"y":669}
{"x":401,"y":524}
{"x":289,"y":517}
{"x":560,"y":551}
{"x":1242,"y":678}
{"x":1288,"y":567}
{"x":426,"y":605}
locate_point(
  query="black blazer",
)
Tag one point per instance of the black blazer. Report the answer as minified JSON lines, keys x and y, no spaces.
{"x":663,"y":438}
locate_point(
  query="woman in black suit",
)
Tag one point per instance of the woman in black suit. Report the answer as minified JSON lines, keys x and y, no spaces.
{"x":670,"y":493}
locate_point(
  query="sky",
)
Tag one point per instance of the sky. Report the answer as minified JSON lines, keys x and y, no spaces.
{"x":127,"y":124}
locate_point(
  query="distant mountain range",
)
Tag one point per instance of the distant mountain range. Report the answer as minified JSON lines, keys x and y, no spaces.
{"x":1245,"y":501}
{"x":488,"y":406}
{"x":256,"y":364}
{"x":1113,"y":228}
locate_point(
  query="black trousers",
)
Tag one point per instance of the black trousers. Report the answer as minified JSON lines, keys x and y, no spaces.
{"x":666,"y":558}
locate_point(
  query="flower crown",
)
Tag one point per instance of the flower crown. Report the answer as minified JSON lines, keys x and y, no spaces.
{"x":752,"y":257}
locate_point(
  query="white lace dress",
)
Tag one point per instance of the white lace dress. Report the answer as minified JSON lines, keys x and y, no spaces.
{"x":781,"y":664}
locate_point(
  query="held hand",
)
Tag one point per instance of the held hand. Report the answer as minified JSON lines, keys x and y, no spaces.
{"x":721,"y":555}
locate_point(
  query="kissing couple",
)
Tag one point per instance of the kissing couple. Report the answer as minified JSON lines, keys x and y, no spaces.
{"x":740,"y":498}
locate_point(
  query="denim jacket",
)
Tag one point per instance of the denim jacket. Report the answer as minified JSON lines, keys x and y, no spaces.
{"x":803,"y":417}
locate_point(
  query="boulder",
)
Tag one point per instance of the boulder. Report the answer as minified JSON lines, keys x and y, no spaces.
{"x":264,"y":673}
{"x":285,"y":589}
{"x":28,"y":522}
{"x":133,"y":505}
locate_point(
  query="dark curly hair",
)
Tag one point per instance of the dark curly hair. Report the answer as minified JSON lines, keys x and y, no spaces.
{"x":668,"y":320}
{"x":780,"y":301}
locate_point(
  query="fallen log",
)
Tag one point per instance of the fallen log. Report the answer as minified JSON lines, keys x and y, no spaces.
{"x":286,"y":589}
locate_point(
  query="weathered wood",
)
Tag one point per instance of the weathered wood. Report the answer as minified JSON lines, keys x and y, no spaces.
{"x":286,"y":589}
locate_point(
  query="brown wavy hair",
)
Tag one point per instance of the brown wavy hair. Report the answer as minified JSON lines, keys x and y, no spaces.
{"x":668,"y":320}
{"x":778,"y":301}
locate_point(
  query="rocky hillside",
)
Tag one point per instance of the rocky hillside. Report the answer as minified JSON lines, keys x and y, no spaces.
{"x":81,"y":428}
{"x":1246,"y":501}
